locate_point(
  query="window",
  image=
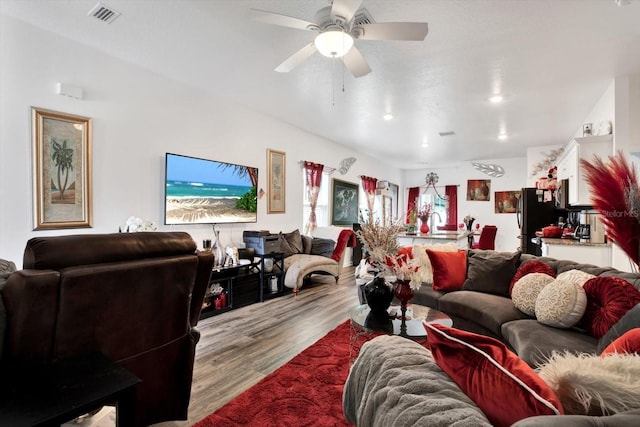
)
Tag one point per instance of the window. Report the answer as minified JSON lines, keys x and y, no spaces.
{"x":322,"y":207}
{"x":439,"y":211}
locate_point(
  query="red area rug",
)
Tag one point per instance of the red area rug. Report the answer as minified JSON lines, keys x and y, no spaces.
{"x":306,"y":391}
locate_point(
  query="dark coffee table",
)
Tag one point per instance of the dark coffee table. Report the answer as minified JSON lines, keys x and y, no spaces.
{"x":365,"y":325}
{"x":49,"y":395}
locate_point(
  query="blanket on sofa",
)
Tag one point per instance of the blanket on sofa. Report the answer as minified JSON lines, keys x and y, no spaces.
{"x":396,"y":382}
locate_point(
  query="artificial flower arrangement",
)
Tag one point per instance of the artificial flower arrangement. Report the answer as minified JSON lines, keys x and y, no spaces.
{"x":135,"y":224}
{"x":380,"y":242}
{"x":616,"y":195}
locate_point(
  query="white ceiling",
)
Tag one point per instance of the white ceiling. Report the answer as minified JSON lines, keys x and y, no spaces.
{"x":551,"y":59}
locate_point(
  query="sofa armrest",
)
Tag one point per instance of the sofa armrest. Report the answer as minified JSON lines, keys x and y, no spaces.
{"x":31,"y":302}
{"x":203,"y":274}
{"x":346,"y":238}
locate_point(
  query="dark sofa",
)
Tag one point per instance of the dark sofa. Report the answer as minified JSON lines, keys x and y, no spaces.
{"x":482,"y":306}
{"x":494,"y":314}
{"x":134,"y":297}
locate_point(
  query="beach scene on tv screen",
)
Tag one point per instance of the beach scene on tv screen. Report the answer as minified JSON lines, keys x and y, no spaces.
{"x":200,"y":191}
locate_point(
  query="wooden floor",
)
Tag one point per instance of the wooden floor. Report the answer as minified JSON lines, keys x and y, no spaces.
{"x":240,"y":347}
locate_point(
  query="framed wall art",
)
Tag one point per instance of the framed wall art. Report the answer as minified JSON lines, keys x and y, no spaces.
{"x":479,"y":189}
{"x":276,"y":174}
{"x":344,"y":203}
{"x":506,"y":201}
{"x":61,"y":170}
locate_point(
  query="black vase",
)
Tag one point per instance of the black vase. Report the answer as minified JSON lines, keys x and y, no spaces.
{"x":379,"y":295}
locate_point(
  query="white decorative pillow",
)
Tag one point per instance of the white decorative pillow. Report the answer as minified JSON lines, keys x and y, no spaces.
{"x":561,"y":304}
{"x":576,"y":276}
{"x":592,"y":385}
{"x":425,"y":272}
{"x":525,"y":291}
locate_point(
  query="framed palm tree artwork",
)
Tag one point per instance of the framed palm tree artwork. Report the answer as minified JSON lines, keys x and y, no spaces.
{"x":61,"y":170}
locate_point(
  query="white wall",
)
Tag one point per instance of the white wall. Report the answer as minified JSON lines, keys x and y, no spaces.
{"x":620,"y":104}
{"x":626,"y":133}
{"x":137,"y":117}
{"x":483,"y":211}
{"x":603,"y":110}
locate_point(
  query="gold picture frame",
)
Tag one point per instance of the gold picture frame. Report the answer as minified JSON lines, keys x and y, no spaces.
{"x":61,"y":170}
{"x":276,"y":187}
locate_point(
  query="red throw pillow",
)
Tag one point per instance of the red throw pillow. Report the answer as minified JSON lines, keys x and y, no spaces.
{"x":407,"y":251}
{"x":449,"y":269}
{"x":503,"y":386}
{"x":531,"y":267}
{"x":608,"y":299}
{"x":629,"y":342}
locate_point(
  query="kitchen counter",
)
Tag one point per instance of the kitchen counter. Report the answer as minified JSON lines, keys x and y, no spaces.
{"x":572,"y":242}
{"x":574,"y":250}
{"x":460,"y":237}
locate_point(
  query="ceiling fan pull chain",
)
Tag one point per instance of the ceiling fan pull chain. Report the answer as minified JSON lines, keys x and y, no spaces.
{"x":342,"y":68}
{"x":333,"y":82}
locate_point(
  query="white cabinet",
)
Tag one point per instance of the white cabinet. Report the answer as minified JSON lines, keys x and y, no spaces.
{"x":569,"y":165}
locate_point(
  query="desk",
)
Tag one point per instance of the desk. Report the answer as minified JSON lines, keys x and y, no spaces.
{"x":49,"y":395}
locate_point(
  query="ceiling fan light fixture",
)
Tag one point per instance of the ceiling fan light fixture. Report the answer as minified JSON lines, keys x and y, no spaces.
{"x":333,"y":43}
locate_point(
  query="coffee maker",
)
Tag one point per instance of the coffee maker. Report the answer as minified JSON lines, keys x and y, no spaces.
{"x":591,"y":228}
{"x":583,"y":233}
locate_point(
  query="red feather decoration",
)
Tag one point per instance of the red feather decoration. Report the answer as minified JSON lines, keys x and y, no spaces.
{"x":611,"y":184}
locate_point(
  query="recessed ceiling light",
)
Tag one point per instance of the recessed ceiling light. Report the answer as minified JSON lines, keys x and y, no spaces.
{"x":388,"y":116}
{"x":496,"y":99}
{"x":424,"y":142}
{"x":503,"y":137}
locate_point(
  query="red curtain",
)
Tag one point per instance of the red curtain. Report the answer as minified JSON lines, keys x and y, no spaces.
{"x":451,"y":194}
{"x":369,"y":187}
{"x":412,"y":197}
{"x":313,"y":173}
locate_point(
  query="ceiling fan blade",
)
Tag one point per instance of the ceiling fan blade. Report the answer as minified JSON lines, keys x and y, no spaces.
{"x":345,"y":9}
{"x":356,"y":63}
{"x":411,"y":31}
{"x":296,"y":59}
{"x":282,"y":20}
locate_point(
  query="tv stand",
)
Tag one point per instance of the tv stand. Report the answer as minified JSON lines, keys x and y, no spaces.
{"x":243,"y":284}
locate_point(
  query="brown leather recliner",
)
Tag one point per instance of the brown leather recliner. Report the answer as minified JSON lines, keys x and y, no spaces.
{"x":134,"y":297}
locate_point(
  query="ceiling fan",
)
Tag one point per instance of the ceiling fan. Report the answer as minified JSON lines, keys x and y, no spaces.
{"x":337,"y":27}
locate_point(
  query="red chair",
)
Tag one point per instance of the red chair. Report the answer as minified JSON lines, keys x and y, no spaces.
{"x":487,"y":238}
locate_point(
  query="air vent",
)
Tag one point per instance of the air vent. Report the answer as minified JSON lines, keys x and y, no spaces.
{"x":448,"y":133}
{"x":362,"y":17}
{"x":104,"y":13}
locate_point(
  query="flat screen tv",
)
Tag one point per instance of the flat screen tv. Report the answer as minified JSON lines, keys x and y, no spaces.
{"x":201,"y":191}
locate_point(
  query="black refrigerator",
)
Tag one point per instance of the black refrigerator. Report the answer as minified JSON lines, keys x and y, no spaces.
{"x":532,"y":215}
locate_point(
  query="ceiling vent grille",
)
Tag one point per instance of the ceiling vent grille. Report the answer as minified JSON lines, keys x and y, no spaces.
{"x":362,"y":17}
{"x":104,"y":13}
{"x":448,"y":133}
